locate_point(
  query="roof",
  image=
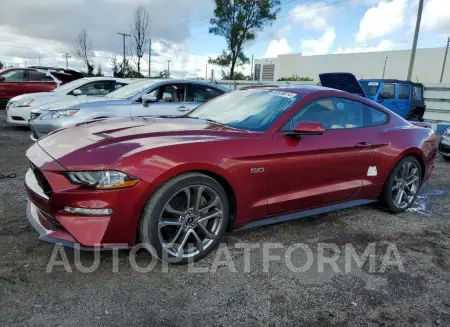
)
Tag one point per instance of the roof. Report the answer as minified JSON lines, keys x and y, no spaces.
{"x":389,"y":81}
{"x":302,"y":89}
{"x":101,"y":78}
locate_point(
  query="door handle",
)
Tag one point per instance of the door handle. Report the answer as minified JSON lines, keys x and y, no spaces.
{"x":183,"y":109}
{"x":363,"y":145}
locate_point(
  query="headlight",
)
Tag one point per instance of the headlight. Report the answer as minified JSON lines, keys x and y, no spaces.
{"x":56,"y":114}
{"x":446,"y":132}
{"x":103,"y":179}
{"x":23,"y":103}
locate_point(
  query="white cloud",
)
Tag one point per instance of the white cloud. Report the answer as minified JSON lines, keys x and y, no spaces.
{"x":381,"y":20}
{"x":384,"y":45}
{"x":312,"y":16}
{"x":318,"y":46}
{"x":436,"y":16}
{"x":277,"y":47}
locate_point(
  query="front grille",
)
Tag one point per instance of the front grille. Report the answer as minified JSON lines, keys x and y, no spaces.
{"x":34,"y":115}
{"x":17,"y":118}
{"x":42,"y":181}
{"x":444,"y":148}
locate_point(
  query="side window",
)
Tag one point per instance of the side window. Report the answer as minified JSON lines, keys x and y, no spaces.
{"x":35,"y":76}
{"x":332,"y":113}
{"x":14,"y":76}
{"x":417,"y":93}
{"x":403,"y":91}
{"x":98,"y":88}
{"x":171,"y":93}
{"x":201,"y":93}
{"x":375,"y":117}
{"x":118,"y":85}
{"x":388,"y":91}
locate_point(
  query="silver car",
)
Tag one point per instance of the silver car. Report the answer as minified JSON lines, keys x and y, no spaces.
{"x":144,"y":98}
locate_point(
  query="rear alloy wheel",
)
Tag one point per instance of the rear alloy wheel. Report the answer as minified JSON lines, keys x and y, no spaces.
{"x":403,"y":185}
{"x":186,"y":218}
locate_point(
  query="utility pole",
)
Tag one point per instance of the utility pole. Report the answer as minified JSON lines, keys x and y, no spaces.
{"x":251,"y":74}
{"x":384,"y":69}
{"x":67,"y":56}
{"x":168,"y":68}
{"x":25,"y":62}
{"x":206,"y":72}
{"x":39,"y":60}
{"x":445,"y":59}
{"x":124,"y":53}
{"x":150,"y":58}
{"x":212,"y":75}
{"x":414,"y":45}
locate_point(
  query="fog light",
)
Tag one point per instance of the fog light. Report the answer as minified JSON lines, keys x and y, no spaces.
{"x":90,"y":212}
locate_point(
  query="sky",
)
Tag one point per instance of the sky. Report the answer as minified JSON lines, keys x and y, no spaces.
{"x":46,"y":29}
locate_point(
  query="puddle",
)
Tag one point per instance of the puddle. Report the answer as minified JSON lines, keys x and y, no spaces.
{"x":422,"y":204}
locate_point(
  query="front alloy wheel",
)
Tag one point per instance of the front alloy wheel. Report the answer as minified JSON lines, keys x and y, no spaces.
{"x":190,"y":221}
{"x":186,"y":218}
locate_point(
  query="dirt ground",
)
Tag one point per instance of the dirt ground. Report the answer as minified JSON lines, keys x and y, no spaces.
{"x":418,"y":296}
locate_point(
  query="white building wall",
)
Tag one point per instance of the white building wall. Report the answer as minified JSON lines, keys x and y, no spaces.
{"x":427,"y":67}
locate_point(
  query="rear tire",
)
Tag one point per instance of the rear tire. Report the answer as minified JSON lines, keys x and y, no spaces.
{"x":446,"y":158}
{"x":185,"y":219}
{"x":402,"y":186}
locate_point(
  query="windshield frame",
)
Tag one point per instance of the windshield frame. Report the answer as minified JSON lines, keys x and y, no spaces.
{"x":298,"y":98}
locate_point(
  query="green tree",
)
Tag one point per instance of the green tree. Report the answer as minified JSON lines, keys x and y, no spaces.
{"x":296,"y":78}
{"x":163,"y":74}
{"x":225,"y":59}
{"x":1,"y":65}
{"x":238,"y":76}
{"x":238,"y":21}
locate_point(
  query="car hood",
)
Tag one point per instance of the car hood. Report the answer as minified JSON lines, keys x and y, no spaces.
{"x":342,"y":81}
{"x":97,"y":144}
{"x":56,"y":102}
{"x":30,"y":96}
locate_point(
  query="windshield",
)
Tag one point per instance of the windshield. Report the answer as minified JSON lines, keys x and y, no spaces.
{"x":252,"y":109}
{"x":66,"y":88}
{"x":370,"y":88}
{"x":130,"y":90}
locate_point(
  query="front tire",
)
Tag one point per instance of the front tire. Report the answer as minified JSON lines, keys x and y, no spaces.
{"x":402,"y":186}
{"x":186,"y":218}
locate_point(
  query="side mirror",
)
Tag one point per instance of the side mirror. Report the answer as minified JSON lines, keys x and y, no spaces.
{"x":307,"y":128}
{"x":77,"y":92}
{"x":146,"y":99}
{"x":2,"y":79}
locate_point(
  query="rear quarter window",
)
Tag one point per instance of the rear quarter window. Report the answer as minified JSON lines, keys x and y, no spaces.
{"x":374,"y":117}
{"x":417,"y":93}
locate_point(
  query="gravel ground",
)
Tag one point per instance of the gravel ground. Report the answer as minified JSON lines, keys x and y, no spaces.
{"x":374,"y":295}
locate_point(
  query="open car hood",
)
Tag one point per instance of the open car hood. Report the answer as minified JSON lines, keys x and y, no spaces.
{"x":346,"y":82}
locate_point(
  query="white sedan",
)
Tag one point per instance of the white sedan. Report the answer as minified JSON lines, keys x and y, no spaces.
{"x":19,"y":108}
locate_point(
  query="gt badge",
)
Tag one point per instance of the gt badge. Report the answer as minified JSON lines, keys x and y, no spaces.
{"x":256,"y":170}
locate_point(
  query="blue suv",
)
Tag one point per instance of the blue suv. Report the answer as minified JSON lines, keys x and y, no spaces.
{"x":405,"y":98}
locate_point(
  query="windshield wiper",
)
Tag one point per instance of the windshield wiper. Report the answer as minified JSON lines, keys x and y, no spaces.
{"x":206,"y":119}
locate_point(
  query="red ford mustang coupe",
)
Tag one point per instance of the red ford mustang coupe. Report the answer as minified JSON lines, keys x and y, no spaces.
{"x":248,"y":158}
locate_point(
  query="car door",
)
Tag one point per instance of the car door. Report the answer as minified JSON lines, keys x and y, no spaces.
{"x":317,"y":170}
{"x":403,"y":99}
{"x":170,"y":100}
{"x":36,"y":81}
{"x":13,"y":83}
{"x":386,"y":97}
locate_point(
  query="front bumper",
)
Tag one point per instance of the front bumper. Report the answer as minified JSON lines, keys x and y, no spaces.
{"x":444,"y":146}
{"x":49,"y":192}
{"x":40,"y":128}
{"x":18,"y":115}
